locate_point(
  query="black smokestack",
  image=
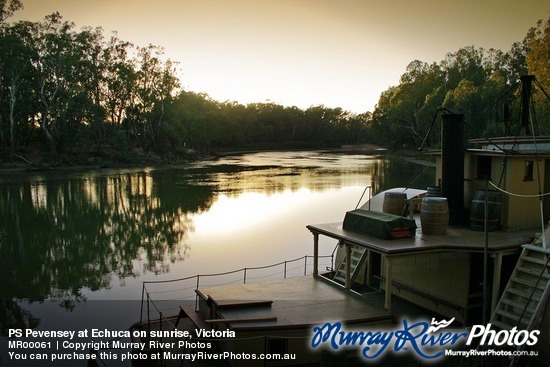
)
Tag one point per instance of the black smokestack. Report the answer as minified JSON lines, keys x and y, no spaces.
{"x":452,"y":165}
{"x":526,"y":82}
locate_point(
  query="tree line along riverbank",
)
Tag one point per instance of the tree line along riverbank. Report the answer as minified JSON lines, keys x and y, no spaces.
{"x":71,"y":97}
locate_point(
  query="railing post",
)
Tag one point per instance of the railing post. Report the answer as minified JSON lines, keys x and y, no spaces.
{"x":148,"y":316}
{"x":141,"y":308}
{"x":315,"y":254}
{"x":160,"y":325}
{"x":285,"y":271}
{"x":244,"y":279}
{"x":196,"y":294}
{"x":305,"y":265}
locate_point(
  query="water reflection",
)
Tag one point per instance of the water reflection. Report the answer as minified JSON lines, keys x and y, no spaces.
{"x":59,"y":236}
{"x":275,"y":172}
{"x":67,"y":232}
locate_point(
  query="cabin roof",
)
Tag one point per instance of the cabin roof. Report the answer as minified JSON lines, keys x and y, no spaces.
{"x":521,"y":145}
{"x":510,"y":139}
{"x":456,"y":239}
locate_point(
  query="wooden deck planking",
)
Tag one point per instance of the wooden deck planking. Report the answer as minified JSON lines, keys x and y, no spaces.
{"x":297,"y":303}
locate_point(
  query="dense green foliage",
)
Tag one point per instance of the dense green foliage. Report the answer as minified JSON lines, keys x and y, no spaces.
{"x":478,"y":83}
{"x":62,"y":89}
{"x":67,"y":91}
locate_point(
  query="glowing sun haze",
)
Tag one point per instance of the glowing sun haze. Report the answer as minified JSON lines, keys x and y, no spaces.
{"x":339,"y":53}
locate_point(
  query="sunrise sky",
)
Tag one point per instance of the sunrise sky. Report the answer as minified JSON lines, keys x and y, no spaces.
{"x":339,"y":53}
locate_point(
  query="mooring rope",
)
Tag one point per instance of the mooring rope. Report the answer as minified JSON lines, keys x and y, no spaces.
{"x":518,"y":195}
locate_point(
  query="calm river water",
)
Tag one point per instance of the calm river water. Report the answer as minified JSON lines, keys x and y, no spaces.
{"x":68,"y":239}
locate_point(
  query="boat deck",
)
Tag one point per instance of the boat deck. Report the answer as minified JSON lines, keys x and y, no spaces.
{"x":294,"y":303}
{"x":457,"y":239}
{"x":297,"y":303}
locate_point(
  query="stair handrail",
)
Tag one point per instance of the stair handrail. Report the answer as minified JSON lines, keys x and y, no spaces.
{"x":546,"y":292}
{"x":536,"y":319}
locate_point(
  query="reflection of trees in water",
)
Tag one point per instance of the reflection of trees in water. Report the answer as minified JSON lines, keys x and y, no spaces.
{"x":59,"y":236}
{"x":401,"y":173}
{"x":381,"y":174}
{"x":12,"y":316}
{"x":234,"y":180}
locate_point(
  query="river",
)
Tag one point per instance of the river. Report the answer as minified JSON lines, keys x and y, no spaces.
{"x":73,"y":239}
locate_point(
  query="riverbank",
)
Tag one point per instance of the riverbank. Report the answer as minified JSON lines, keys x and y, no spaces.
{"x":414,"y":156}
{"x":33,"y":160}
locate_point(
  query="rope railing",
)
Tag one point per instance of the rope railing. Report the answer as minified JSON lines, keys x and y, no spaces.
{"x":540,"y":196}
{"x":147,"y":301}
{"x":518,"y":195}
{"x":162,"y":318}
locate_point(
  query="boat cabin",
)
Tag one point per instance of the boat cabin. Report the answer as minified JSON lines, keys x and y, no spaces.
{"x":519,"y":167}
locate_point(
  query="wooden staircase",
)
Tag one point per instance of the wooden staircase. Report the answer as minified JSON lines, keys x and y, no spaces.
{"x":525,"y":298}
{"x":358,"y":256}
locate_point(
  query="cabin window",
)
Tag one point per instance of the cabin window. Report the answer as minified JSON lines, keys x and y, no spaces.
{"x":483,"y":168}
{"x":277,"y":346}
{"x":528,"y":173}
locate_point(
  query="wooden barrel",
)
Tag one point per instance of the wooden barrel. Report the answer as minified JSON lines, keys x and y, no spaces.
{"x":394,"y":203}
{"x":494,"y":208}
{"x":433,"y":191}
{"x":434,"y":215}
